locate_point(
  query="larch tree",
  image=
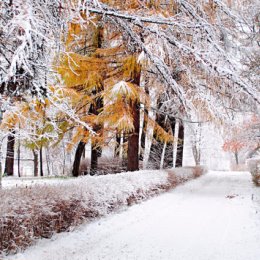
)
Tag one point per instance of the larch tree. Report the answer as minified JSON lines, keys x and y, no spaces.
{"x":85,"y":75}
{"x":118,"y":67}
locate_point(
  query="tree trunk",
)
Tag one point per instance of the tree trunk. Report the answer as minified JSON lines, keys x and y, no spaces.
{"x":64,"y":157}
{"x":117,"y":145}
{"x":9,"y":160}
{"x":77,"y":159}
{"x":96,"y":150}
{"x":148,"y":137}
{"x":144,"y":115}
{"x":133,"y":140}
{"x":163,"y":155}
{"x":41,"y":163}
{"x":35,"y":163}
{"x":84,"y":153}
{"x":236,"y":157}
{"x":142,"y":134}
{"x":47,"y":156}
{"x":175,"y":142}
{"x":180,"y":146}
{"x":19,"y":158}
{"x":95,"y":154}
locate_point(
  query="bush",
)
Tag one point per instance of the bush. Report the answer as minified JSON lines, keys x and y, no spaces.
{"x":40,"y":210}
{"x":254,"y":168}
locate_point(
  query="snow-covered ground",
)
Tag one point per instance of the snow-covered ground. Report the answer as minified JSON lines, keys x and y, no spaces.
{"x":215,"y":217}
{"x":9,"y":182}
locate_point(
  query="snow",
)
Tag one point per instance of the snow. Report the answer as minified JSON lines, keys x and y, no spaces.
{"x":121,"y":88}
{"x":10,"y":182}
{"x":96,"y":193}
{"x":213,"y":217}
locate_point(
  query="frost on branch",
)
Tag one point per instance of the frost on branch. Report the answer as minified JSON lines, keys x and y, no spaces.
{"x":30,"y":36}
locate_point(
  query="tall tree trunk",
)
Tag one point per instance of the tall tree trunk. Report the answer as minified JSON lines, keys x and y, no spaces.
{"x":236,"y":157}
{"x":96,"y":150}
{"x":142,"y":133}
{"x":64,"y":157}
{"x":148,"y":137}
{"x":47,"y":155}
{"x":19,"y":158}
{"x":146,"y":129}
{"x":175,"y":142}
{"x":133,"y":140}
{"x":95,"y":154}
{"x":121,"y":146}
{"x":84,"y":153}
{"x":180,"y":146}
{"x":196,"y":154}
{"x":41,"y":163}
{"x":163,"y":155}
{"x":77,"y":159}
{"x":35,"y":163}
{"x":117,"y":145}
{"x":9,"y":160}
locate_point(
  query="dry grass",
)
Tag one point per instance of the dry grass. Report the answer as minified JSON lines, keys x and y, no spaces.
{"x":106,"y":165}
{"x":239,"y":167}
{"x":39,"y":211}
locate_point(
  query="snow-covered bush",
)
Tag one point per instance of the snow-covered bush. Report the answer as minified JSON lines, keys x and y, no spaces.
{"x":40,"y":210}
{"x":254,"y":167}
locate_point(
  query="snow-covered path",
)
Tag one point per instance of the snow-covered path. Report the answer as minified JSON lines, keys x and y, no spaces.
{"x":215,"y":217}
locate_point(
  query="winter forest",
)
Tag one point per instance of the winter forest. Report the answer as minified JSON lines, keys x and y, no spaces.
{"x":104,"y":103}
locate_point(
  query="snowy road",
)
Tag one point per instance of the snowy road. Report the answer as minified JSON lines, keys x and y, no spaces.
{"x":215,"y":217}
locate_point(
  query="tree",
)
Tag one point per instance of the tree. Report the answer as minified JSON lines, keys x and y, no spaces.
{"x":233,"y":146}
{"x":87,"y":82}
{"x":30,"y":39}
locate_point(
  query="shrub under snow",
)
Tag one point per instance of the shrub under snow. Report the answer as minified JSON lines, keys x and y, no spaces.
{"x":254,"y":167}
{"x":40,"y":210}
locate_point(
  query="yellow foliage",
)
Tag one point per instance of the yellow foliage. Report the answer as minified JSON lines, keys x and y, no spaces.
{"x":79,"y":134}
{"x":10,"y":119}
{"x":131,"y":67}
{"x":78,"y":71}
{"x":161,"y":134}
{"x":108,"y":52}
{"x":117,"y":116}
